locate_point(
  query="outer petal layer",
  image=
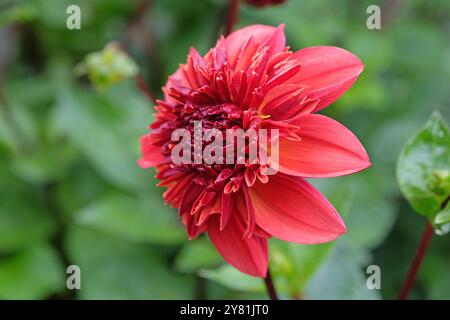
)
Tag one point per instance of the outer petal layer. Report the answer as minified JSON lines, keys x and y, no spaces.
{"x":260,"y":33}
{"x":249,"y":255}
{"x":151,"y":154}
{"x":327,"y":71}
{"x":326,"y":149}
{"x":301,"y":215}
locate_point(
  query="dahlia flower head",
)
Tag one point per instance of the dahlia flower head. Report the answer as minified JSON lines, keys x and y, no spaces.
{"x":251,"y":79}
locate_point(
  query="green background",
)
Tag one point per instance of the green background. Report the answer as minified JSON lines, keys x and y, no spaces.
{"x":71,"y":192}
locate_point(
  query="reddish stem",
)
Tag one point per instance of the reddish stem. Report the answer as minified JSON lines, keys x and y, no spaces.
{"x":270,"y":287}
{"x":233,"y":10}
{"x":142,"y":85}
{"x":415,"y":266}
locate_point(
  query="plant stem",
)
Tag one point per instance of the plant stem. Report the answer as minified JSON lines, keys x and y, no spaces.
{"x":136,"y":25}
{"x":144,"y":88}
{"x":233,"y":10}
{"x":420,"y":254}
{"x":415,"y":265}
{"x":270,"y":287}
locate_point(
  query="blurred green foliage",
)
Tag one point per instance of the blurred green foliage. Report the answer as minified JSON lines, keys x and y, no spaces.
{"x":71,"y":192}
{"x":107,"y":67}
{"x":423,"y":169}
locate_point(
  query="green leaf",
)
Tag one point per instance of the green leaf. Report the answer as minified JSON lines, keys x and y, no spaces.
{"x":434,"y":276}
{"x":81,"y":186}
{"x":293,"y":264}
{"x":113,"y":268}
{"x":197,"y":254}
{"x":142,"y":218}
{"x":106,"y":130}
{"x":341,"y":276}
{"x":423,"y":168}
{"x":443,"y":216}
{"x":442,"y":221}
{"x":33,"y":273}
{"x":44,"y":164}
{"x":230,"y":277}
{"x":440,"y":290}
{"x":372,"y":213}
{"x":364,"y":205}
{"x":23,"y":217}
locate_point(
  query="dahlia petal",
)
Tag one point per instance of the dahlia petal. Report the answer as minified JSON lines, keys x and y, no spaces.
{"x":190,"y":70}
{"x":174,"y":80}
{"x":326,"y":149}
{"x":151,"y":154}
{"x":260,"y":33}
{"x":286,"y":101}
{"x":175,"y":188}
{"x":218,"y":54}
{"x":245,"y":206}
{"x":227,"y":209}
{"x":277,"y":40}
{"x":193,"y":230}
{"x":249,"y":255}
{"x":302,"y":215}
{"x":204,"y":199}
{"x":282,"y":75}
{"x":327,"y":71}
{"x":189,"y":198}
{"x":246,"y":54}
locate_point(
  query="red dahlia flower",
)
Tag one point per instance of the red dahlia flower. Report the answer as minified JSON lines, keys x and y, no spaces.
{"x":251,"y":80}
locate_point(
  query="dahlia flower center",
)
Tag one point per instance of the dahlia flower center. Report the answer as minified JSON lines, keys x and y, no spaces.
{"x":219,"y":140}
{"x":221,"y":116}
